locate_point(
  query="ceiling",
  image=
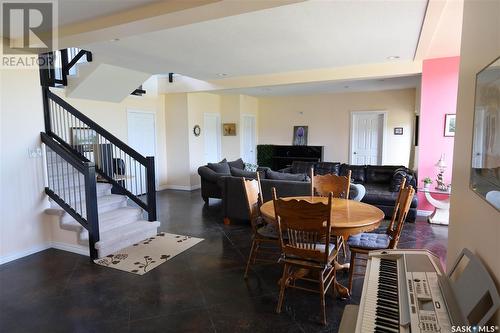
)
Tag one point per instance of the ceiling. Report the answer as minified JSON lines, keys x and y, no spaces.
{"x":301,"y":36}
{"x":75,"y":11}
{"x":330,"y":87}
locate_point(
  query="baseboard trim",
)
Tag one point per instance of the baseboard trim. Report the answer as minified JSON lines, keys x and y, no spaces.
{"x":21,"y":254}
{"x":78,"y":249}
{"x":421,"y":212}
{"x":179,"y":187}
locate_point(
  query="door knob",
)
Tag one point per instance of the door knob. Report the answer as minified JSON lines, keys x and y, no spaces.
{"x":354,"y":153}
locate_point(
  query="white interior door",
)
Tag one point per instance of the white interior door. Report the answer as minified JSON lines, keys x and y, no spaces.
{"x":248,"y":139}
{"x":142,"y":138}
{"x":211,"y":122}
{"x":367,"y":132}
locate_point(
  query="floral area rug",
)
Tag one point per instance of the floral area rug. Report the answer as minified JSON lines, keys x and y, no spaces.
{"x":142,"y":257}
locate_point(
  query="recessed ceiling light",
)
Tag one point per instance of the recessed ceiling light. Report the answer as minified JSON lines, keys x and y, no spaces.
{"x":392,"y":57}
{"x":221,"y":74}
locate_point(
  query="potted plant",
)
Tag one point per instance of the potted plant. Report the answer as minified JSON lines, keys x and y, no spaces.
{"x":427,"y":182}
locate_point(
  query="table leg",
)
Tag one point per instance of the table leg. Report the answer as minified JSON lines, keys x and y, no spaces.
{"x":439,"y":216}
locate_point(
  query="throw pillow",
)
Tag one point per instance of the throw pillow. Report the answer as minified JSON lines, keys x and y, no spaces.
{"x":237,"y":164}
{"x":236,"y":172}
{"x":397,"y":179}
{"x":221,"y":167}
{"x":251,"y":167}
{"x":299,"y":177}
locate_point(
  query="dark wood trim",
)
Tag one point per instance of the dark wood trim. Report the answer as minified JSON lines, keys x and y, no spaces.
{"x":91,"y":206}
{"x":66,"y":207}
{"x":150,"y":169}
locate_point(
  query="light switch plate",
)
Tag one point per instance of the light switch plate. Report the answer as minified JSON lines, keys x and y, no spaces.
{"x":35,"y":152}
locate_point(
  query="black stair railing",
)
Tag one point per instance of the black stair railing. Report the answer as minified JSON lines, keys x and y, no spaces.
{"x":71,"y":183}
{"x":56,"y":65}
{"x":129,"y":172}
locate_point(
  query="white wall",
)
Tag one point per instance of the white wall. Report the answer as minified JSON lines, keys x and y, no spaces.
{"x":22,"y":199}
{"x":474,"y":224}
{"x":328,"y":118}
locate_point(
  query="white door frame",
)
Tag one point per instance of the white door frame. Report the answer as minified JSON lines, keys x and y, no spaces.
{"x":242,"y":148}
{"x":218,"y":132}
{"x":384,"y":132}
{"x":133,"y":110}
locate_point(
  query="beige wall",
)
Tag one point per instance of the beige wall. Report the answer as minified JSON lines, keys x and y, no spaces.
{"x":113,"y":117}
{"x":474,"y":224}
{"x":186,"y":152}
{"x":230,"y":113}
{"x":198,"y":105}
{"x":328,"y":118}
{"x":22,"y":198}
{"x":177,"y":136}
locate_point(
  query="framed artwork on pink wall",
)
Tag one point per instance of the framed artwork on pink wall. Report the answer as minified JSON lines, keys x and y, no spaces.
{"x":449,"y":124}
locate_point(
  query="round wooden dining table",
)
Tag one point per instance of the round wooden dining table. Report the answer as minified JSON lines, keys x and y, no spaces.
{"x":349,"y":217}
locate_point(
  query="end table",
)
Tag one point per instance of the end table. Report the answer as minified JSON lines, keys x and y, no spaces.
{"x":441,"y":212}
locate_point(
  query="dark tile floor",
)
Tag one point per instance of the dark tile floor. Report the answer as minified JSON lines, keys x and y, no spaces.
{"x":200,"y":290}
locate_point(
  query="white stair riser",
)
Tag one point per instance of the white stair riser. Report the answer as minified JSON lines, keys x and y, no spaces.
{"x":109,"y":225}
{"x":76,"y":196}
{"x":102,"y":208}
{"x":132,"y":239}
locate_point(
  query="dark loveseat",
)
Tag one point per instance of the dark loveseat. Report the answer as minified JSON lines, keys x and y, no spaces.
{"x":377,"y":180}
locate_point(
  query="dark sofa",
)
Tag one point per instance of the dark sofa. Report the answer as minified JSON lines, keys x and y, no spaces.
{"x":375,"y":178}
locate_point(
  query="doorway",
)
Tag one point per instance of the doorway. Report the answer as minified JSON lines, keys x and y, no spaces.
{"x":212,"y":136}
{"x":142,"y":138}
{"x":248,"y":141}
{"x":367,"y":137}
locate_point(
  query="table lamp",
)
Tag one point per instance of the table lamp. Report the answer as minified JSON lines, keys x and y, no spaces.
{"x":441,"y":165}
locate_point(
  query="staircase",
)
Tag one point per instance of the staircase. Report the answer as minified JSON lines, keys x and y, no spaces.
{"x":98,"y":186}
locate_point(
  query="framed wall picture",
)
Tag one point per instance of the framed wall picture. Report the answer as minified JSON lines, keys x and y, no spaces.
{"x":300,"y":135}
{"x":449,"y":124}
{"x":229,"y":129}
{"x":83,"y":138}
{"x":398,"y":130}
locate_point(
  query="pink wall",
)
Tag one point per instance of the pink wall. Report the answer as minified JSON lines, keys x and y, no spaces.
{"x":438,"y":97}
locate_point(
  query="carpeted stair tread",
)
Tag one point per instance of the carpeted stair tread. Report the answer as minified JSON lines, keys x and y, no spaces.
{"x":105,"y":203}
{"x":102,"y":189}
{"x":107,"y":221}
{"x":125,"y":236}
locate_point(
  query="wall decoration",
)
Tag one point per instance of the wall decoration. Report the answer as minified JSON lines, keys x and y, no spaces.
{"x":398,"y":130}
{"x":449,"y":124}
{"x":300,"y":135}
{"x":229,"y":129}
{"x":485,"y":159}
{"x":196,"y":130}
{"x":83,"y":138}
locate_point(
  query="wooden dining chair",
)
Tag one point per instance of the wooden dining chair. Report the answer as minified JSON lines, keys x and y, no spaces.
{"x":262,"y":232}
{"x":306,"y":247}
{"x":363,"y":243}
{"x":322,"y":185}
